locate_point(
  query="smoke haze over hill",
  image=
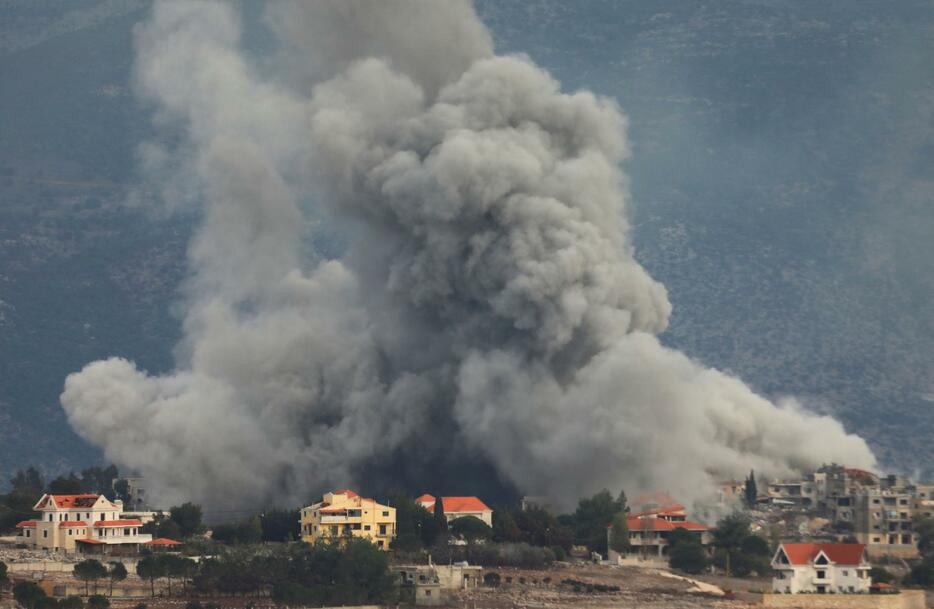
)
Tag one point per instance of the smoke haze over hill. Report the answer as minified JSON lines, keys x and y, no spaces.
{"x":488,"y":303}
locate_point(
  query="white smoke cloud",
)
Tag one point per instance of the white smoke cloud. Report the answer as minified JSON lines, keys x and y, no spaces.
{"x":489,"y":301}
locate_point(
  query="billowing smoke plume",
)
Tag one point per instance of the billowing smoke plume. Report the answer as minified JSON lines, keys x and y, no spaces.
{"x":488,"y":306}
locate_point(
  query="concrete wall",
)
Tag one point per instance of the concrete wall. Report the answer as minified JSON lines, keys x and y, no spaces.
{"x":907,"y":599}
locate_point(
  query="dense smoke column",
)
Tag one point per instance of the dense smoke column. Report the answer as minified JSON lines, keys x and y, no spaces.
{"x":489,"y":302}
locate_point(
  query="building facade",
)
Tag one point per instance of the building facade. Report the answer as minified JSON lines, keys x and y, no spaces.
{"x":821,"y":568}
{"x":649,"y":532}
{"x":459,"y":507}
{"x":73,"y":523}
{"x":344,"y":513}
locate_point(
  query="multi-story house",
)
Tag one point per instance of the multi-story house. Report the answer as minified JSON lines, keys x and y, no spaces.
{"x":649,"y":532}
{"x":458,"y":507}
{"x":86,"y":523}
{"x":822,"y":568}
{"x":882,"y":520}
{"x":343,"y":514}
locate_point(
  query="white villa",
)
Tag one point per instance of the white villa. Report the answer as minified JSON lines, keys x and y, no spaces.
{"x":86,"y":523}
{"x":821,"y":568}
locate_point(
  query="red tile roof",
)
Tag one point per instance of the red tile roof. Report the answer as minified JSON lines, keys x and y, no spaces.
{"x":333,"y":510}
{"x":70,"y":501}
{"x":25,"y":523}
{"x":91,"y":541}
{"x":72,"y":523}
{"x":838,"y":553}
{"x":345,"y":491}
{"x":454,"y":505}
{"x":133,"y":522}
{"x":671,"y":509}
{"x":635,"y":523}
{"x":163,"y":541}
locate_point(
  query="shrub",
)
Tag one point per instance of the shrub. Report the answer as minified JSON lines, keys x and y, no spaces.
{"x":98,"y":602}
{"x":688,"y":557}
{"x":492,"y":580}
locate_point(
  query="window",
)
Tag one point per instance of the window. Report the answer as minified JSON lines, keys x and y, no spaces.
{"x":845,"y":573}
{"x":45,"y":534}
{"x":334,"y":530}
{"x":382,"y":529}
{"x":386,"y":514}
{"x":366,"y":527}
{"x":127,"y":531}
{"x":821,"y":574}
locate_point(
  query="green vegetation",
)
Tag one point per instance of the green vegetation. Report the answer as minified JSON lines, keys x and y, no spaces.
{"x":90,"y":571}
{"x":922,"y":573}
{"x":619,"y":534}
{"x":27,"y":594}
{"x":881,"y":575}
{"x":98,"y":602}
{"x":116,"y":573}
{"x":415,"y":526}
{"x":591,"y":518}
{"x":738,"y":551}
{"x":685,"y":551}
{"x":471,"y":529}
{"x":751,"y":491}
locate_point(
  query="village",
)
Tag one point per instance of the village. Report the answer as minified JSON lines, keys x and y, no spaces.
{"x":836,"y":537}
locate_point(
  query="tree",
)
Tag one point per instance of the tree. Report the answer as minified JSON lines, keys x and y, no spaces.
{"x":752,"y":493}
{"x":27,"y":594}
{"x":28,"y":480}
{"x":71,"y":602}
{"x":122,"y":491}
{"x":188,"y":518}
{"x":504,"y":526}
{"x":116,"y":573}
{"x":90,"y":570}
{"x":682,"y":535}
{"x":441,"y":521}
{"x":728,"y":536}
{"x":151,"y":568}
{"x":70,"y":485}
{"x":100,"y":480}
{"x":922,"y":574}
{"x":4,"y":580}
{"x":98,"y":602}
{"x":881,"y":575}
{"x":688,"y":556}
{"x":415,"y":526}
{"x":619,"y":534}
{"x":924,"y":527}
{"x":281,"y":525}
{"x":591,"y":518}
{"x":471,"y":529}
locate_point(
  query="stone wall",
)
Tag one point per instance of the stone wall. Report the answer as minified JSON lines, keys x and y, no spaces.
{"x":906,"y":599}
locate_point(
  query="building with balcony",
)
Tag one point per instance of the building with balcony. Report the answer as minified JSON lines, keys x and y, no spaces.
{"x":459,"y":507}
{"x":649,"y":532}
{"x":821,"y":568}
{"x":86,"y":523}
{"x":344,"y":514}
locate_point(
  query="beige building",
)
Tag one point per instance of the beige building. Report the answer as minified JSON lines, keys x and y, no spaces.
{"x":459,"y":507}
{"x":649,"y":532}
{"x":81,"y":523}
{"x":344,"y":513}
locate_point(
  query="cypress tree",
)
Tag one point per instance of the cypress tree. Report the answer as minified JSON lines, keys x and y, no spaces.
{"x":751,"y":491}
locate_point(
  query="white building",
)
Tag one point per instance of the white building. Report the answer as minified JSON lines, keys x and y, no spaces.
{"x":458,"y":507}
{"x":80,"y":522}
{"x":821,"y":568}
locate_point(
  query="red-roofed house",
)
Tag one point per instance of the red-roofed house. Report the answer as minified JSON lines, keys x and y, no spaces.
{"x":821,"y":568}
{"x":76,"y":522}
{"x":345,"y":513}
{"x":649,"y":531}
{"x":458,"y":507}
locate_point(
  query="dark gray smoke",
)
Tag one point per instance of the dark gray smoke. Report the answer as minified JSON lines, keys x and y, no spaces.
{"x":489,"y":300}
